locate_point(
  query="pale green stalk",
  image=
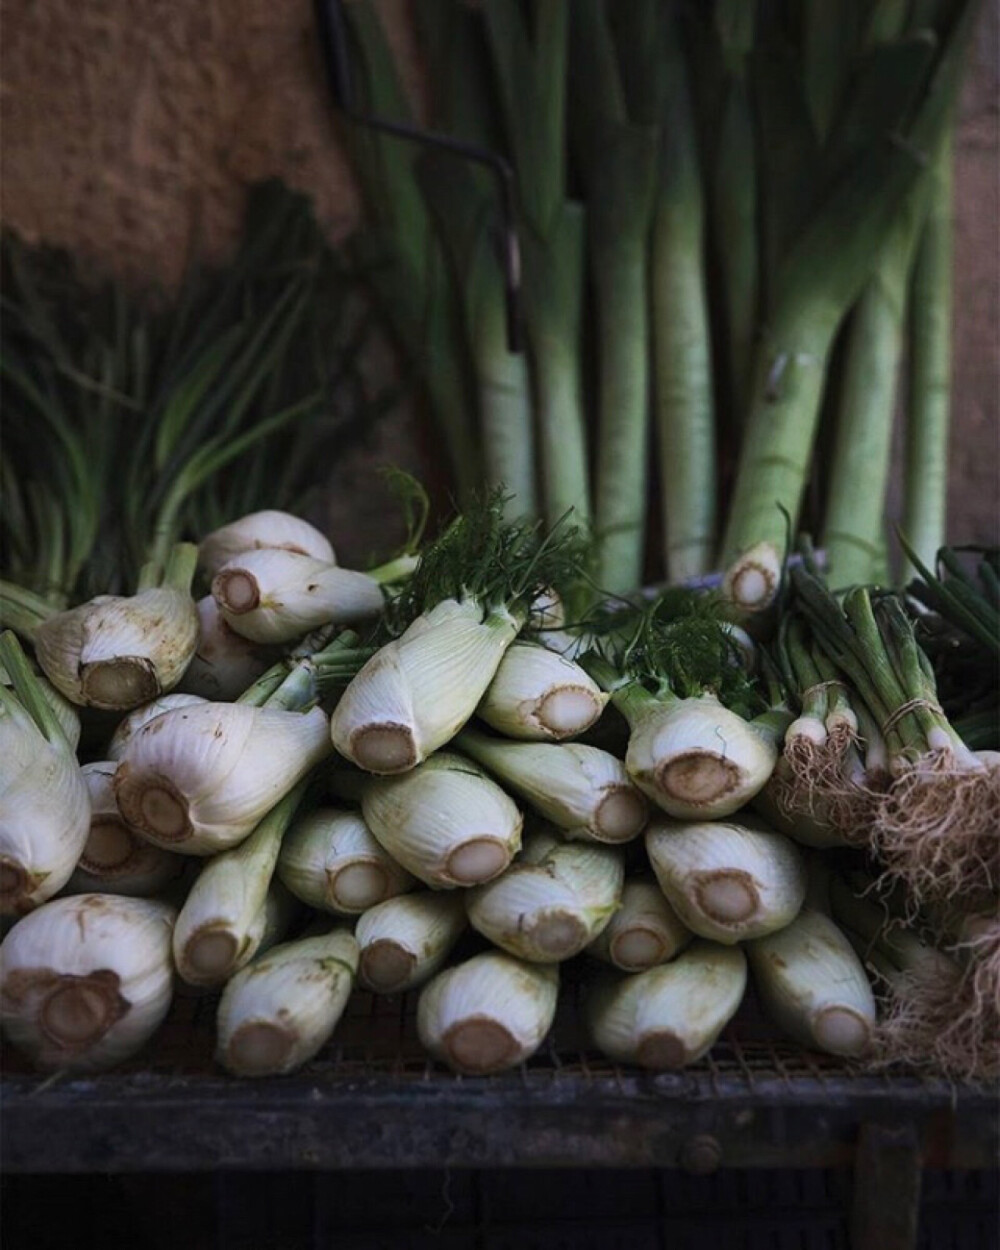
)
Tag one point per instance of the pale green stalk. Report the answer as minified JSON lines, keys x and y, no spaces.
{"x":735,"y":215}
{"x":22,"y":610}
{"x":530,"y":70}
{"x":618,"y":159}
{"x":929,"y":401}
{"x":853,"y":535}
{"x":468,"y":223}
{"x":681,"y":338}
{"x":553,"y":310}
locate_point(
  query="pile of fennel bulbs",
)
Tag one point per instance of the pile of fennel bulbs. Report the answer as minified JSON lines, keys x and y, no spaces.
{"x":305,"y":814}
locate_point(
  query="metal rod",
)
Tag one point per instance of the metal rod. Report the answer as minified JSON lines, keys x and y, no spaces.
{"x":333,"y":44}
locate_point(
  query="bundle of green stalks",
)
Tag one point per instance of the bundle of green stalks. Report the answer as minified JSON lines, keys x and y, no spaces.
{"x":933,"y":821}
{"x":734,"y":223}
{"x":833,"y":769}
{"x":956,"y":611}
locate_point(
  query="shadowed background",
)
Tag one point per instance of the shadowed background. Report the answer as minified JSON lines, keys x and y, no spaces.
{"x":130,"y":129}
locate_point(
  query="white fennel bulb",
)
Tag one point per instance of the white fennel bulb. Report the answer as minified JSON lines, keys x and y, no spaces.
{"x":579,"y":788}
{"x":417,"y":692}
{"x":488,"y":1014}
{"x":279,"y":1010}
{"x":267,"y":529}
{"x":671,"y":1015}
{"x":554,"y":900}
{"x":643,"y":932}
{"x":694,"y":757}
{"x":728,"y":880}
{"x":114,"y":859}
{"x":814,"y":986}
{"x":538,"y":695}
{"x":85,"y":981}
{"x":224,"y":663}
{"x":142,"y":715}
{"x":445,"y":821}
{"x":275,"y":596}
{"x":331,"y":860}
{"x":198,"y":779}
{"x":44,"y":804}
{"x":221,"y":924}
{"x":406,"y":939}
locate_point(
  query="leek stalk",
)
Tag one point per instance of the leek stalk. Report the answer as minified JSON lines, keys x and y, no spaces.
{"x":530,"y":67}
{"x":853,"y":525}
{"x":926,"y":473}
{"x":808,"y":297}
{"x":681,"y":340}
{"x":618,"y":159}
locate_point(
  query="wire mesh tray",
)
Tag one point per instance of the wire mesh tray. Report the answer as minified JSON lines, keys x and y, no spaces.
{"x":373,"y":1098}
{"x":376,"y":1039}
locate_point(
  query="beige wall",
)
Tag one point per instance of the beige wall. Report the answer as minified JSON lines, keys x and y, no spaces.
{"x":130,"y":127}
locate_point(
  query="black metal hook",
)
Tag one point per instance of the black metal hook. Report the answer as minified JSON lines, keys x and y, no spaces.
{"x":333,"y":43}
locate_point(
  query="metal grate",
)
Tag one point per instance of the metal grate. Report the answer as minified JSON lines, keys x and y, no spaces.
{"x":377,"y":1038}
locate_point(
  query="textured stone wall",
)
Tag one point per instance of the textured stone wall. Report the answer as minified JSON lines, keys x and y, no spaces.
{"x":130,"y":128}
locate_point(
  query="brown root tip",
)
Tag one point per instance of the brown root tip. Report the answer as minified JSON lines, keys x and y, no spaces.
{"x":384,"y":748}
{"x":211,"y":953}
{"x":621,"y":814}
{"x":119,"y":684}
{"x":15,"y":881}
{"x":358,"y":886}
{"x":480,"y":1045}
{"x":753,"y":585}
{"x":697,"y":777}
{"x":660,"y":1050}
{"x":477,"y":861}
{"x":161,"y":812}
{"x":259,"y":1048}
{"x":386,"y":966}
{"x":637,"y":949}
{"x":236,"y":591}
{"x":558,"y":935}
{"x":109,"y":848}
{"x":727,"y":897}
{"x":842,"y":1031}
{"x":78,"y":1011}
{"x":568,"y":710}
